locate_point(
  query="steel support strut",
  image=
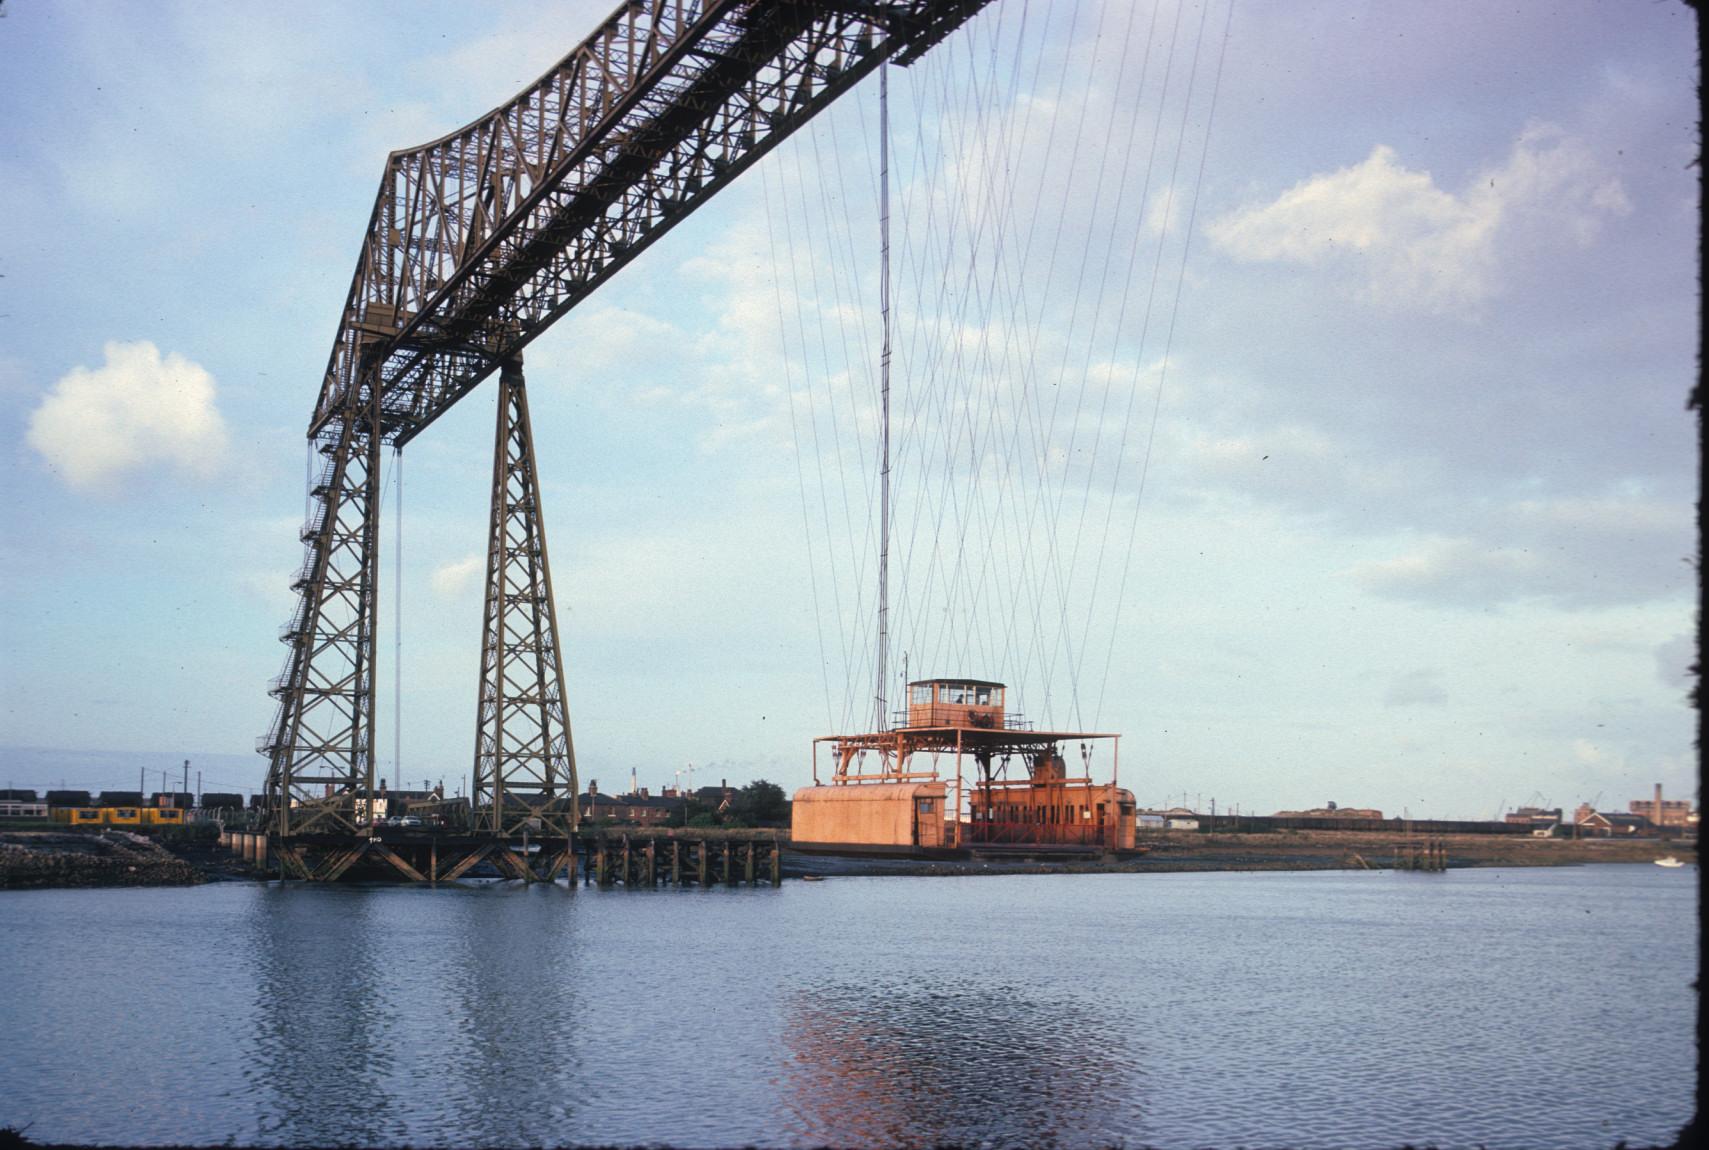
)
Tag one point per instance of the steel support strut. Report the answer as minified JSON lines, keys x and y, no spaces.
{"x":525,"y":761}
{"x":320,"y":745}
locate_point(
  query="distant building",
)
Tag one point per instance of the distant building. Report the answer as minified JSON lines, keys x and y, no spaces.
{"x":18,"y":809}
{"x":716,"y":798}
{"x":637,"y":809}
{"x":1533,"y":817}
{"x":1331,"y":811}
{"x":1609,"y":823}
{"x":1664,"y":812}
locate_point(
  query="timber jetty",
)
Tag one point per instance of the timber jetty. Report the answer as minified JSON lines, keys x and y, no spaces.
{"x":599,"y":856}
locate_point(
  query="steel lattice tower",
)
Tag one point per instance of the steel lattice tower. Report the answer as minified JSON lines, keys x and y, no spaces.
{"x":320,"y":744}
{"x":525,"y":762}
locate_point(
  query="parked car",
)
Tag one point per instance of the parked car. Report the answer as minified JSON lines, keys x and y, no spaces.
{"x":409,"y":821}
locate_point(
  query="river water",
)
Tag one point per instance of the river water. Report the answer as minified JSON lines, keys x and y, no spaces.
{"x":1505,"y":1008}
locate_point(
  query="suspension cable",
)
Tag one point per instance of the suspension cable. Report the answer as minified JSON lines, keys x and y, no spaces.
{"x":398,"y":625}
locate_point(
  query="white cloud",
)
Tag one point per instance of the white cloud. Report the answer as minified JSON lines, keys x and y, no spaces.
{"x":455,"y":579}
{"x":1588,"y":752}
{"x":95,"y":427}
{"x":1578,"y":552}
{"x":1676,"y":659}
{"x":1403,"y":242}
{"x":626,"y":353}
{"x":1471,"y":570}
{"x":1415,"y":688}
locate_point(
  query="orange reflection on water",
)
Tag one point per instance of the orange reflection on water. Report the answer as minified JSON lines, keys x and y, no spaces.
{"x":996,"y":1066}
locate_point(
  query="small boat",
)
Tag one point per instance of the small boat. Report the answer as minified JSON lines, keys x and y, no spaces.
{"x":821,"y":878}
{"x":1669,"y":861}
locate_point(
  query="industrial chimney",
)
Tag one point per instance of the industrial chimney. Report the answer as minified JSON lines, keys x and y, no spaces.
{"x":1657,"y":817}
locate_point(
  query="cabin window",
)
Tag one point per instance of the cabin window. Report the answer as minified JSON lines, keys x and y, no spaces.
{"x":922,"y":693}
{"x":925,"y":806}
{"x":983,"y":696}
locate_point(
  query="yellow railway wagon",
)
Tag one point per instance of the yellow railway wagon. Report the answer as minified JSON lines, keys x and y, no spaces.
{"x":140,"y":817}
{"x":78,"y":816}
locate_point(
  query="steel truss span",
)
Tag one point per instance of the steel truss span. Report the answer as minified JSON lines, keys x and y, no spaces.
{"x":479,"y":241}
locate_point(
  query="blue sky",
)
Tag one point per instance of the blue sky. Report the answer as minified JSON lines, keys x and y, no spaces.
{"x":1417,"y":474}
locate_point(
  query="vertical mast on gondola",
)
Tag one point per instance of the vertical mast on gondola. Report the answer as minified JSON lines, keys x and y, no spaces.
{"x":882,"y":723}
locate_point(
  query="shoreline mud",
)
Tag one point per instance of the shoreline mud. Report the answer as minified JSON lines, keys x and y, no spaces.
{"x":1191,"y":851}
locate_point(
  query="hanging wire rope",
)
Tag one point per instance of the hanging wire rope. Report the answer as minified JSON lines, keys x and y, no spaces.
{"x":1017,"y":171}
{"x":1168,"y":342}
{"x":795,"y":434}
{"x":398,"y":624}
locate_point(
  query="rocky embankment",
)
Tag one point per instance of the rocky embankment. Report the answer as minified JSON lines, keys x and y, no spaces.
{"x":72,"y":859}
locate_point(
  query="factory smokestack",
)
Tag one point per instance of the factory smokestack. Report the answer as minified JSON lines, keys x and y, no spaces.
{"x":1657,"y":819}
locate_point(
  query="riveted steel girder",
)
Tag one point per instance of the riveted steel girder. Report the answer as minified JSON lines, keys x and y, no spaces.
{"x":480,"y":240}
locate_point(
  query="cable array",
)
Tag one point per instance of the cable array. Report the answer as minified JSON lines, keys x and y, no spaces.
{"x":1039,"y":247}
